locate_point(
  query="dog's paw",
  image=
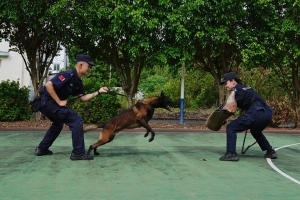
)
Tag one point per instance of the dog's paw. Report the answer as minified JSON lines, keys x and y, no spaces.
{"x":151,"y":139}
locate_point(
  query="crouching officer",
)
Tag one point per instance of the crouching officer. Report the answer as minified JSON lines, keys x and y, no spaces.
{"x":257,"y":116}
{"x":53,"y":106}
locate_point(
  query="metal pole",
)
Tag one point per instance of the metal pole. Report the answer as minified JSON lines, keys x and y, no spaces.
{"x":182,"y":94}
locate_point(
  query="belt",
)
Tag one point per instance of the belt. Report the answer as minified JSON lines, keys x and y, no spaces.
{"x":255,"y":103}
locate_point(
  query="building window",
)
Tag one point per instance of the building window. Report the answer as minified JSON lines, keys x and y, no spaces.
{"x":56,"y":67}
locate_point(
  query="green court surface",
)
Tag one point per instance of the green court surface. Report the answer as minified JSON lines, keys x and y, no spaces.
{"x":176,"y":165}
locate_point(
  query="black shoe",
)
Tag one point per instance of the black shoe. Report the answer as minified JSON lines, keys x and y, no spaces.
{"x":40,"y":152}
{"x":82,"y":156}
{"x":271,"y":154}
{"x":229,"y":157}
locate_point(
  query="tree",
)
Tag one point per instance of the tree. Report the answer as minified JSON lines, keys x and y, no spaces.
{"x":278,"y":44}
{"x":35,"y":30}
{"x":215,"y":34}
{"x":288,"y":50}
{"x":127,"y":35}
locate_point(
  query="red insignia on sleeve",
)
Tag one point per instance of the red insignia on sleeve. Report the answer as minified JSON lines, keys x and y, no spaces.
{"x":61,"y":77}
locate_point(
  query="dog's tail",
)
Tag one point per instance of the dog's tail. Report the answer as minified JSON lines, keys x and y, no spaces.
{"x":93,"y":126}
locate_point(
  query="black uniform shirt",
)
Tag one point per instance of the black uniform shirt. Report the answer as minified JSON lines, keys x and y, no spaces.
{"x":245,"y":96}
{"x":65,"y":83}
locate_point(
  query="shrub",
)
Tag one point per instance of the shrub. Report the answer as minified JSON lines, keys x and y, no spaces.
{"x":282,"y":111}
{"x":100,"y":108}
{"x":152,"y":84}
{"x":199,"y":90}
{"x":14,"y":101}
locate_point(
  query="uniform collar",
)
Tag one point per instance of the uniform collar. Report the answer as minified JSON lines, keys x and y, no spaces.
{"x":74,"y":73}
{"x":238,"y":86}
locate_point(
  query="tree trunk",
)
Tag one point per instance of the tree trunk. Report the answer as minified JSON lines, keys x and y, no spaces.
{"x":130,"y":101}
{"x":221,"y":93}
{"x":297,"y":116}
{"x":296,"y":93}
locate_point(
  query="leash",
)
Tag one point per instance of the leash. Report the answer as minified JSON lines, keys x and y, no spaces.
{"x":71,"y":101}
{"x":114,"y":93}
{"x":244,"y":151}
{"x":111,"y":92}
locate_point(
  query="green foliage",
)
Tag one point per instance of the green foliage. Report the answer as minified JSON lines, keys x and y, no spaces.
{"x":200,"y":90}
{"x":152,"y":84}
{"x":266,"y":83}
{"x":131,"y":36}
{"x":14,"y":102}
{"x":172,"y":89}
{"x":198,"y":93}
{"x":263,"y":81}
{"x":100,"y":108}
{"x":153,"y":80}
{"x":100,"y":75}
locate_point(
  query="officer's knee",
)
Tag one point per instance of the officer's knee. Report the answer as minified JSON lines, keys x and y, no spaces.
{"x":58,"y":126}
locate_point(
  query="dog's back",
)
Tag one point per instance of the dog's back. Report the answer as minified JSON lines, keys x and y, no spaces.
{"x":130,"y":117}
{"x":127,"y":119}
{"x":136,"y":116}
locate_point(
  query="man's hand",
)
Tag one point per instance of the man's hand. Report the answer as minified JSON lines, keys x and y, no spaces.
{"x":103,"y":90}
{"x":62,"y":103}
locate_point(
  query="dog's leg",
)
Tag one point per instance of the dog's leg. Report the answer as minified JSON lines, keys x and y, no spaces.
{"x":111,"y":138}
{"x":106,"y":136}
{"x":149,"y":129}
{"x":94,"y":147}
{"x":95,"y":151}
{"x":152,"y":135}
{"x":147,"y":133}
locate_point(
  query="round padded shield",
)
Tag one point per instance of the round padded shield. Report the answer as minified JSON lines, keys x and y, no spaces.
{"x":216,"y":119}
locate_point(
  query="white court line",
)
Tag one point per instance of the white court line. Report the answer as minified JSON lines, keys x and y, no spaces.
{"x":269,"y":160}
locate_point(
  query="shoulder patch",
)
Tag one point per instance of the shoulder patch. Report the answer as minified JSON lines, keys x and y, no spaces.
{"x":61,"y":77}
{"x":246,"y":88}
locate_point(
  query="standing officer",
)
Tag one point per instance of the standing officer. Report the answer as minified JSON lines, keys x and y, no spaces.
{"x":53,"y":106}
{"x":257,"y":115}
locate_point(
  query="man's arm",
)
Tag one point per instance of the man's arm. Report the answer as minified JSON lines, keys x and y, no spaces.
{"x":89,"y":96}
{"x":51,"y":91}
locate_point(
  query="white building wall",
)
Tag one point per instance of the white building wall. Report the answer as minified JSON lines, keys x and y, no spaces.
{"x":12,"y":67}
{"x":60,"y":59}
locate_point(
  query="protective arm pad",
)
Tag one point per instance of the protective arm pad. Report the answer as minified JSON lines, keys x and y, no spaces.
{"x":216,"y":119}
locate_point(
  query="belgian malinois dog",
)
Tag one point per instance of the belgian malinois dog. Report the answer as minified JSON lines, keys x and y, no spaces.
{"x":136,"y":116}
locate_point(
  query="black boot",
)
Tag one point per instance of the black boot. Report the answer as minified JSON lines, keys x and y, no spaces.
{"x":82,"y":156}
{"x":230,"y":156}
{"x":271,"y":154}
{"x":42,"y":152}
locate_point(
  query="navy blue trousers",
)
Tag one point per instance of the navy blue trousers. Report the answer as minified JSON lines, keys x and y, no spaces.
{"x":257,"y":118}
{"x":60,"y":116}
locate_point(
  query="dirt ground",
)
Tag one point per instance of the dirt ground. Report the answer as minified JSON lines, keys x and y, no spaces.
{"x":192,"y":120}
{"x":153,"y":123}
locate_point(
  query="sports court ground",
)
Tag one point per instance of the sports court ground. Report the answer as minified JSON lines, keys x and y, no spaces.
{"x":179,"y":164}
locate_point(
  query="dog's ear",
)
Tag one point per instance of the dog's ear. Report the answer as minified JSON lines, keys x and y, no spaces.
{"x":162,"y":94}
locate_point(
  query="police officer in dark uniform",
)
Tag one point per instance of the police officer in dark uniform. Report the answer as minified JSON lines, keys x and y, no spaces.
{"x":256,"y":116}
{"x":53,"y":106}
